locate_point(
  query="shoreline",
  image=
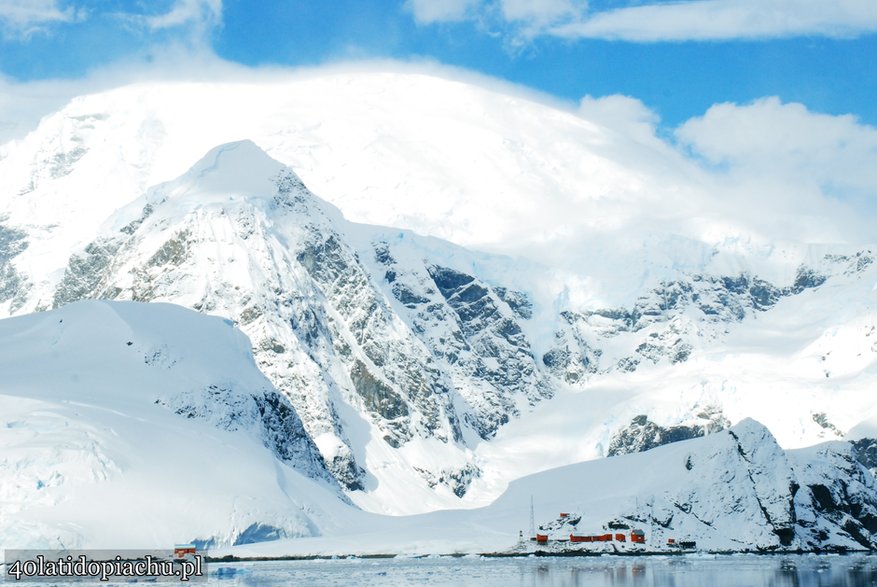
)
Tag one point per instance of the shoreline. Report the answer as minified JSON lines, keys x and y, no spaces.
{"x":229,"y":558}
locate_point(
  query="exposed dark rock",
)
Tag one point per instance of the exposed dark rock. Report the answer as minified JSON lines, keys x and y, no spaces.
{"x":382,"y":254}
{"x":659,"y":322}
{"x":806,"y":278}
{"x":173,"y":252}
{"x":517,"y":301}
{"x":865,"y":450}
{"x":408,"y":297}
{"x":86,"y":272}
{"x":643,"y":434}
{"x":822,"y":419}
{"x":449,"y":281}
{"x":132,"y":226}
{"x":855,"y":263}
{"x":377,"y":396}
{"x":349,"y":474}
{"x":61,"y":164}
{"x":284,"y":433}
{"x":13,"y":285}
{"x":278,"y":425}
{"x":457,"y":480}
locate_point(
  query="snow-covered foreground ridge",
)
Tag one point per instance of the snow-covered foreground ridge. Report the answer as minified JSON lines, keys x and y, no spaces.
{"x":128,"y":425}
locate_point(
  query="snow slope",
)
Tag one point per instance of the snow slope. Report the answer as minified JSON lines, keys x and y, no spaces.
{"x":125,"y":424}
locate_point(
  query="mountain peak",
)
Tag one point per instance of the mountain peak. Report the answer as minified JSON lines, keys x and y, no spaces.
{"x":240,"y":166}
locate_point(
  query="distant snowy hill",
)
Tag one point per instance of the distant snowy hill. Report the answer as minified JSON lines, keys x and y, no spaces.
{"x":427,"y":375}
{"x":732,"y":490}
{"x":735,"y":490}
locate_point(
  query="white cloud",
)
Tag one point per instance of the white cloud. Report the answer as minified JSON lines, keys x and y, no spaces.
{"x":768,"y":170}
{"x":773,"y":143}
{"x":655,"y":21}
{"x":539,"y":13}
{"x":23,"y":104}
{"x":726,"y":19}
{"x":780,"y":169}
{"x":433,"y":11}
{"x":621,"y":113}
{"x":660,"y":21}
{"x":526,"y":18}
{"x":24,"y":17}
{"x":199,"y":13}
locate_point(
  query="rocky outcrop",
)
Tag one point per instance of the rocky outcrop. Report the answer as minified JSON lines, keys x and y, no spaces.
{"x":13,"y":285}
{"x":643,"y":434}
{"x":734,"y":490}
{"x":665,"y":324}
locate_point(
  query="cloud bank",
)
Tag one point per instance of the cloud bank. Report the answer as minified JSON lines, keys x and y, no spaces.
{"x":655,"y":21}
{"x":598,"y":184}
{"x":20,"y":19}
{"x":711,"y":20}
{"x":23,"y":18}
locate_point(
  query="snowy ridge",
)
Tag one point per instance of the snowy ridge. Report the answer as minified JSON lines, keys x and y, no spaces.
{"x":733,"y":490}
{"x":124,"y":423}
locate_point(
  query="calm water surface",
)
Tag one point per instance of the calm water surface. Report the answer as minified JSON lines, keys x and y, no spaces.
{"x":674,"y":571}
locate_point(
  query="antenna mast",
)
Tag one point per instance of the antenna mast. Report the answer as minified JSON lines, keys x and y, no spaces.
{"x":532,"y":519}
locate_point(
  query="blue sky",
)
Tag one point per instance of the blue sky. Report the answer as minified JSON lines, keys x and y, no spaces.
{"x":677,"y":58}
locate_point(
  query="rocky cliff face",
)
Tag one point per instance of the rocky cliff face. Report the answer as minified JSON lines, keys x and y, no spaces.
{"x":13,"y":285}
{"x":837,"y":502}
{"x":643,"y":434}
{"x":421,"y":351}
{"x":666,"y":324}
{"x":811,"y":499}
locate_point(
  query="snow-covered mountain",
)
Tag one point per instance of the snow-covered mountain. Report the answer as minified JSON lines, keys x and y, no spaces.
{"x":426,"y":374}
{"x":416,"y":358}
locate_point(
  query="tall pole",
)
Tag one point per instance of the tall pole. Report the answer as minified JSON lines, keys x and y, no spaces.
{"x":532,"y":519}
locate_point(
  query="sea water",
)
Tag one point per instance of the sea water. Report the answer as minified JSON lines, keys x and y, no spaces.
{"x":855,"y":570}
